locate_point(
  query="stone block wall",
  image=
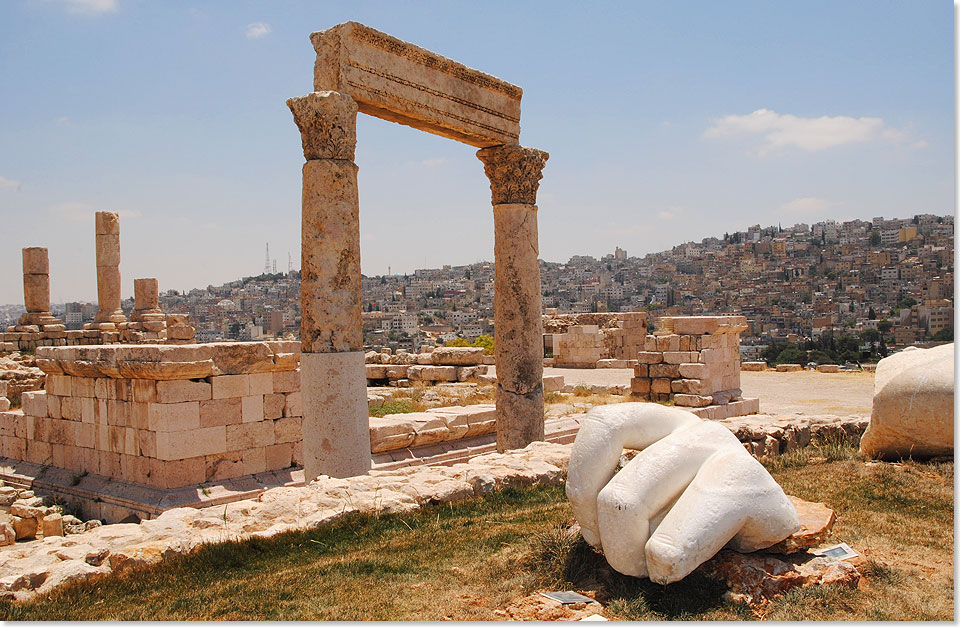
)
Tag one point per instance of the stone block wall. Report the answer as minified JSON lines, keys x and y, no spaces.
{"x":582,"y":340}
{"x":694,"y":360}
{"x":444,"y":364}
{"x":162,"y":416}
{"x":580,"y":347}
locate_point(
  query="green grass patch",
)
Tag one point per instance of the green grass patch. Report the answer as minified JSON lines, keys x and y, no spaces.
{"x":467,"y":560}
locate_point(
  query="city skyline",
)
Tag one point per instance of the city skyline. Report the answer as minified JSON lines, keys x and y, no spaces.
{"x":675,"y":129}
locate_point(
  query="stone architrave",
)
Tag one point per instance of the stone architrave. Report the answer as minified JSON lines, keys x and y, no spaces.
{"x":336,"y":439}
{"x":395,"y":80}
{"x":108,"y":272}
{"x":36,"y":290}
{"x":514,"y":173}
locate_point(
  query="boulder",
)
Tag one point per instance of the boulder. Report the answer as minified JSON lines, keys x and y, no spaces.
{"x":912,"y":405}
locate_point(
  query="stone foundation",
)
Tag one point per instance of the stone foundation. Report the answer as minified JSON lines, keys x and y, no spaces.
{"x":162,"y":416}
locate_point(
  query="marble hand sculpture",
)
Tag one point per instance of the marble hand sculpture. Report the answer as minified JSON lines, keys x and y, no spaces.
{"x":691,"y":490}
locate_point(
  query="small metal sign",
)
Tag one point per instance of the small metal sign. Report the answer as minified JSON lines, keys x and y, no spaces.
{"x":567,"y":597}
{"x":840,"y":551}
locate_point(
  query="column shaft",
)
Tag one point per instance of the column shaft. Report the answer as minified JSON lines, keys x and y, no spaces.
{"x":108,"y":270}
{"x":519,"y":326}
{"x":514,"y":173}
{"x":336,"y":425}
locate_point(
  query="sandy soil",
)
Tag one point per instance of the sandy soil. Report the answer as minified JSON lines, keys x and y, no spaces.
{"x":804,"y":393}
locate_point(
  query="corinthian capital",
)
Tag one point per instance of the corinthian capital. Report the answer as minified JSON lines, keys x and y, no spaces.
{"x":328,"y":124}
{"x":514,"y":173}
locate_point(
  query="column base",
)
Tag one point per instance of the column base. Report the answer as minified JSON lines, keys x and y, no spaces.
{"x":336,"y":418}
{"x":38,"y":318}
{"x":519,"y":418}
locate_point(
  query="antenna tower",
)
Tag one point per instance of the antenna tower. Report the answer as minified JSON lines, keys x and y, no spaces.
{"x":266,"y":262}
{"x":289,"y":263}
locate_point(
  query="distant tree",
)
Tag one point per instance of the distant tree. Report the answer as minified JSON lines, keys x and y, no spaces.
{"x":871,"y":314}
{"x":791,"y":355}
{"x":874,"y":238}
{"x":906,"y":303}
{"x":944,"y":335}
{"x":486,"y":343}
{"x":884,"y":325}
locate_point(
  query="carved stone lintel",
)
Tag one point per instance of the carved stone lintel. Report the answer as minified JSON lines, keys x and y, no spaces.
{"x":328,"y":124}
{"x":514,"y":173}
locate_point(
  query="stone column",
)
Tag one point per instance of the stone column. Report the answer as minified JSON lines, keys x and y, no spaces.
{"x":146,"y":296}
{"x":108,"y":272}
{"x":336,"y":424}
{"x":36,"y":290}
{"x":514,"y":173}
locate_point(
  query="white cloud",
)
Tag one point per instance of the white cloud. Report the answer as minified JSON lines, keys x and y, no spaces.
{"x":256,"y":30}
{"x":810,"y":204}
{"x":811,"y":134}
{"x":9,"y":184}
{"x":90,"y":6}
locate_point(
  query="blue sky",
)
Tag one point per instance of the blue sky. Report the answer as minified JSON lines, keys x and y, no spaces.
{"x":665,"y":122}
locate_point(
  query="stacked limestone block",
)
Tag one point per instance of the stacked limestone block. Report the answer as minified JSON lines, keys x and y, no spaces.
{"x":179,"y":329}
{"x":622,"y":335}
{"x":624,"y":341}
{"x":580,"y":347}
{"x":441,"y":424}
{"x":694,"y":360}
{"x":162,"y":416}
{"x":445,"y":364}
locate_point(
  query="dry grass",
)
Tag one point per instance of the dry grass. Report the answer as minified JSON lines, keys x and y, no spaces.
{"x":463,"y":562}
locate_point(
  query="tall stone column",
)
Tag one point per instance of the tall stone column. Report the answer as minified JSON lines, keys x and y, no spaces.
{"x":36,"y":290}
{"x":108,"y":272}
{"x":336,"y":424}
{"x":514,"y":173}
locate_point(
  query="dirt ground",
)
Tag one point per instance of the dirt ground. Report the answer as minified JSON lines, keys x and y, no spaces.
{"x":804,"y":393}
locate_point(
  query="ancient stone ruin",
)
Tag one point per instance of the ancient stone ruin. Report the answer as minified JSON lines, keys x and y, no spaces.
{"x":359,"y":69}
{"x":148,"y":324}
{"x":695,"y":362}
{"x":595,"y":340}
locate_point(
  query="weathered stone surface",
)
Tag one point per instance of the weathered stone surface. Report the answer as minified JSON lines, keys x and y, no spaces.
{"x":514,"y":173}
{"x":336,"y":430}
{"x":25,"y":528}
{"x":456,"y":356}
{"x":108,"y":269}
{"x":52,"y":525}
{"x":912,"y":405}
{"x":432,"y":373}
{"x":816,"y":521}
{"x":330,"y":232}
{"x":328,"y":124}
{"x":403,"y":83}
{"x":519,"y":418}
{"x":758,"y":577}
{"x":146,"y":295}
{"x":519,"y":351}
